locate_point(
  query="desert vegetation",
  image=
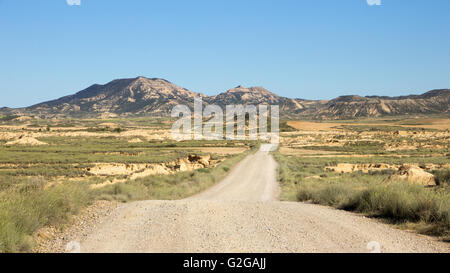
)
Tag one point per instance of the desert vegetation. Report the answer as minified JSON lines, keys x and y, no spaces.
{"x":28,"y":204}
{"x":53,"y":169}
{"x":48,"y":175}
{"x":396,"y":173}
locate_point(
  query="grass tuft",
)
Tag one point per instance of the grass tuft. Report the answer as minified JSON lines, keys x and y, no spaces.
{"x":26,"y":208}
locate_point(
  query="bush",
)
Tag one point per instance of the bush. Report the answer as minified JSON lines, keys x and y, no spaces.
{"x":442,"y":177}
{"x":403,"y":202}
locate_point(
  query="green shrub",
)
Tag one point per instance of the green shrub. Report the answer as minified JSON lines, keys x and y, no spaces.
{"x":403,"y":202}
{"x":442,"y":177}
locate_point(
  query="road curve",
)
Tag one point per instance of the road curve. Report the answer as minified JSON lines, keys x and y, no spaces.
{"x":252,"y":180}
{"x":241,"y":214}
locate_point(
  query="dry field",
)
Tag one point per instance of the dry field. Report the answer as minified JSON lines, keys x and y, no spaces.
{"x":427,"y":123}
{"x":52,"y":169}
{"x":102,"y":149}
{"x":396,"y":170}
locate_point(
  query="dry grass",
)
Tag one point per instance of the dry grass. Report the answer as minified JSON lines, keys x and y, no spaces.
{"x":45,"y":185}
{"x":303,"y":152}
{"x":168,"y":187}
{"x":30,"y":206}
{"x":402,"y":203}
{"x":27,"y":204}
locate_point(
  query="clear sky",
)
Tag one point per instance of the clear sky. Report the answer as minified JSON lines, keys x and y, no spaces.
{"x":314,"y":49}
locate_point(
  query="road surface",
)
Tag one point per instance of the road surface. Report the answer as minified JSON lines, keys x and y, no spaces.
{"x":242,"y":214}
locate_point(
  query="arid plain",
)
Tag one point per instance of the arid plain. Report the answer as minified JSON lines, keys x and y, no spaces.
{"x":62,"y":176}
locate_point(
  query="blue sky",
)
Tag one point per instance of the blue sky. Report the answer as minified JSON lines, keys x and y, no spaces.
{"x":314,"y":49}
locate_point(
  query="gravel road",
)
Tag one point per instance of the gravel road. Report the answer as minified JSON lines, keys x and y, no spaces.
{"x":241,"y":214}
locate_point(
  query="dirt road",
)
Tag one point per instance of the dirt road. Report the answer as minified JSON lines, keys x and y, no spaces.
{"x":241,"y":214}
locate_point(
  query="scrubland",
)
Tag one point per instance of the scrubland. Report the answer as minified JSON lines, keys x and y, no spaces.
{"x":382,"y":169}
{"x":49,"y":169}
{"x":53,"y":169}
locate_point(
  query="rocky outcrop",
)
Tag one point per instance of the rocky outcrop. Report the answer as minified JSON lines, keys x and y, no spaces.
{"x":414,"y":174}
{"x":411,"y":173}
{"x":192,"y":162}
{"x":349,"y":168}
{"x":135,"y":171}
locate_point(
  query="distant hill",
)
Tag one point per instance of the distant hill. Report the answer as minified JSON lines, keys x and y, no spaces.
{"x":137,"y":96}
{"x":156,"y":97}
{"x":432,"y":102}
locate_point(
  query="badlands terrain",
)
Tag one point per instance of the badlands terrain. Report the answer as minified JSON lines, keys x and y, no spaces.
{"x":143,"y":96}
{"x":100,"y":168}
{"x":331,"y":187}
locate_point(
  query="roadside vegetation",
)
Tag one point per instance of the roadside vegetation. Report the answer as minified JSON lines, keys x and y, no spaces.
{"x":72,"y":156}
{"x":47,"y":184}
{"x":44,"y":185}
{"x":168,"y":187}
{"x":411,"y":206}
{"x":28,"y":204}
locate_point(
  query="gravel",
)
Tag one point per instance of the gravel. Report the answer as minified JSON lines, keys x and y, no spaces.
{"x":240,"y":214}
{"x":54,"y":240}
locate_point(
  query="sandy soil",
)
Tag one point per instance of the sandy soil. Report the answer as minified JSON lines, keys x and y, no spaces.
{"x":313,"y":126}
{"x":241,"y":214}
{"x":24,"y":140}
{"x":215,"y":150}
{"x":439,"y":124}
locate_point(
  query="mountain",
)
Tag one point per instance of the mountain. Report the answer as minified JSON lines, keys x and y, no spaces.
{"x":137,"y":96}
{"x":257,"y":96}
{"x":243,"y":95}
{"x":432,"y":102}
{"x":156,"y":97}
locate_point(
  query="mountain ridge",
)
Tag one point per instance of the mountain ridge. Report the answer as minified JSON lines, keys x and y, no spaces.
{"x":156,"y":97}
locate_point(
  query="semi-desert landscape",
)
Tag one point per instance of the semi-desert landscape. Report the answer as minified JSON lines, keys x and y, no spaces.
{"x":225,"y":136}
{"x":99,"y":171}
